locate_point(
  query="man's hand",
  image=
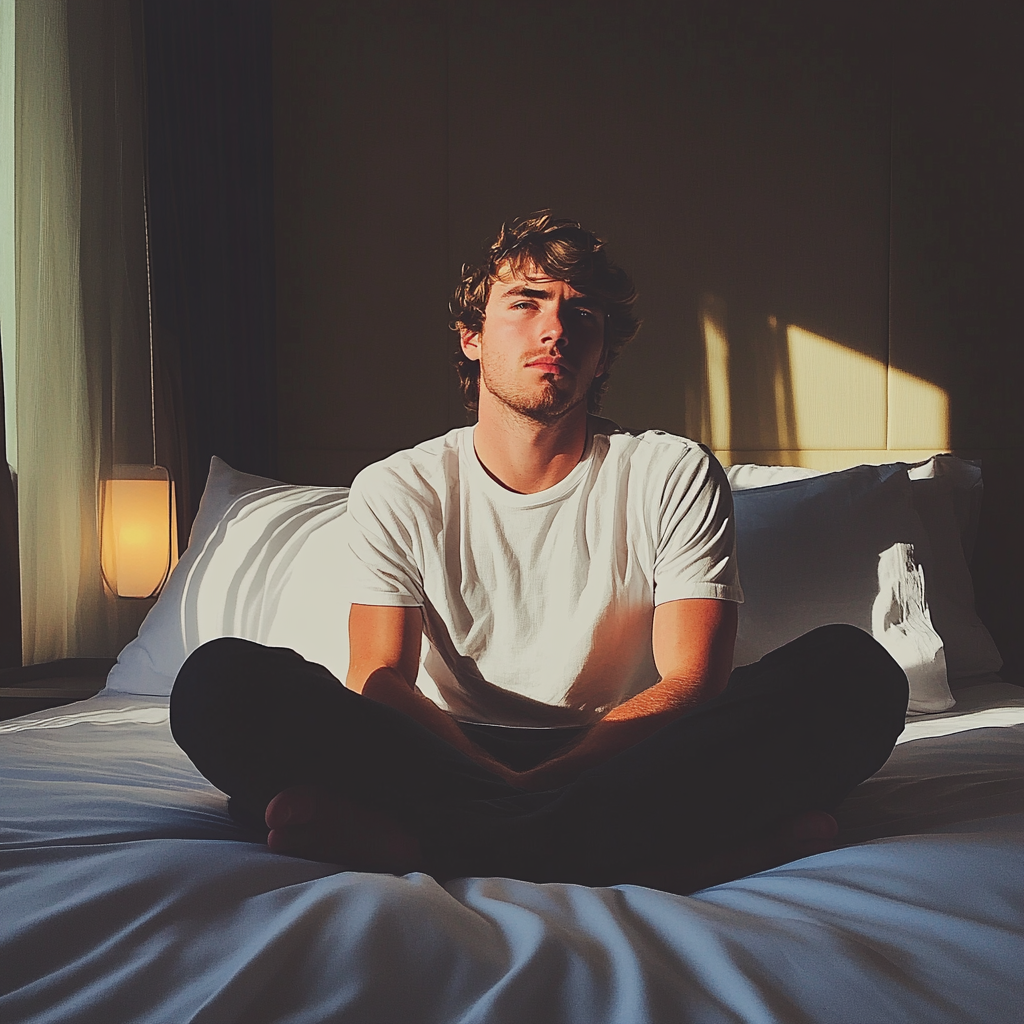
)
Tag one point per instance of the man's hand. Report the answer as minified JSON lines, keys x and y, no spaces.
{"x":693,"y":649}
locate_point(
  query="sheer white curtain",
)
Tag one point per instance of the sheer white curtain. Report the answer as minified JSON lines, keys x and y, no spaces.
{"x":78,"y":311}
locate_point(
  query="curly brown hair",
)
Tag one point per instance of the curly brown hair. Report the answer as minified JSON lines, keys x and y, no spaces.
{"x":563,"y":251}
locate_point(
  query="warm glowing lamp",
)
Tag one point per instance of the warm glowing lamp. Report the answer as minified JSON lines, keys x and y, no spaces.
{"x":138,"y":525}
{"x":139,"y":533}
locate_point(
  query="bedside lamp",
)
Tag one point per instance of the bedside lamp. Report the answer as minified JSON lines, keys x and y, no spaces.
{"x":138,"y":524}
{"x":139,"y":542}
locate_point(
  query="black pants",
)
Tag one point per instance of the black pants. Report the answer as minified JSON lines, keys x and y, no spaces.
{"x":794,"y":732}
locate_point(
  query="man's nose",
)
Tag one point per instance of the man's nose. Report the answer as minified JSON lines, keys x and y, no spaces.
{"x":554,"y":324}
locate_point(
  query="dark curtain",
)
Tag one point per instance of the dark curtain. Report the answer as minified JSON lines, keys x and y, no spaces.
{"x":10,"y":578}
{"x":210,"y":173}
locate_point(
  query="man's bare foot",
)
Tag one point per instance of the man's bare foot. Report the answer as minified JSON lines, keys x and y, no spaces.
{"x":309,"y":822}
{"x":801,"y":836}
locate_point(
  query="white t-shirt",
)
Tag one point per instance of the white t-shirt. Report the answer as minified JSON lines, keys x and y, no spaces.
{"x":538,"y":608}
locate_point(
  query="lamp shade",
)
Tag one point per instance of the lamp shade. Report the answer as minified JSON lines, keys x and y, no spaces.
{"x":138,"y":530}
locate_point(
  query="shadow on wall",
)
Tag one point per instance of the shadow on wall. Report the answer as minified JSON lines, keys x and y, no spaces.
{"x":787,"y":395}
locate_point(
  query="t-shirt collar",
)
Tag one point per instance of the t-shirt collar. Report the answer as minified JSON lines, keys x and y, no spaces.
{"x":472,"y":465}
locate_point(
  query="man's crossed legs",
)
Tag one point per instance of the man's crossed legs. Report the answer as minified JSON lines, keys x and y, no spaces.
{"x":736,"y":785}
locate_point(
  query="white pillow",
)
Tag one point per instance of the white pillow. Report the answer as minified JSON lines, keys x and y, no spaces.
{"x":840,"y":547}
{"x":946,"y":494}
{"x":263,"y":564}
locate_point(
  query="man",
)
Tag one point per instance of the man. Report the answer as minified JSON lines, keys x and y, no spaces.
{"x":574,"y":588}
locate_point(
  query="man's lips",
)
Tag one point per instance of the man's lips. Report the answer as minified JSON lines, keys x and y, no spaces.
{"x":550,"y":366}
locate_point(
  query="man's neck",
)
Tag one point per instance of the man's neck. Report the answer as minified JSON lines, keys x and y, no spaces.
{"x":524,"y":455}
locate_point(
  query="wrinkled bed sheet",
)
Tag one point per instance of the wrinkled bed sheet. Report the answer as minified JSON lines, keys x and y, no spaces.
{"x":127,"y":894}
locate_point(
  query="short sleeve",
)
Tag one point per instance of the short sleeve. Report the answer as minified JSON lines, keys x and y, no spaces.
{"x":696,"y":533}
{"x":383,"y":564}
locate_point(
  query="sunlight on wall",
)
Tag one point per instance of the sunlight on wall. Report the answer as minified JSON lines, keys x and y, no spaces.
{"x":781,"y":392}
{"x":824,"y":397}
{"x":839,"y":395}
{"x":716,"y":361}
{"x":918,"y":413}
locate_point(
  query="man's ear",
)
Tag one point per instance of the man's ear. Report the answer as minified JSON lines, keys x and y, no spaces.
{"x":470,"y":342}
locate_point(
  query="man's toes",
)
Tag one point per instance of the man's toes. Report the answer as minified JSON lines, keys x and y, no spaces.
{"x":294,"y":806}
{"x":288,"y":840}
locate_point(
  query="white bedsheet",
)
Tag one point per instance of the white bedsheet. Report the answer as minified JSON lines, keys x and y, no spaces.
{"x":126,"y":894}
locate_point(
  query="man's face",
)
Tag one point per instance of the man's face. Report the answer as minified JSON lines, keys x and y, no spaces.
{"x":541,"y":346}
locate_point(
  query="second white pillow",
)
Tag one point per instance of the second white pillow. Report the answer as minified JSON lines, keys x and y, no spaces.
{"x":839,"y":547}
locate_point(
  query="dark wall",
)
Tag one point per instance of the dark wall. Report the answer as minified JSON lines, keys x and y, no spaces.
{"x":361,"y":218}
{"x":211,"y":199}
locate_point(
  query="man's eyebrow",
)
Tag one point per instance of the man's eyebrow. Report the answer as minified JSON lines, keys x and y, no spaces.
{"x":529,"y":293}
{"x":524,"y":291}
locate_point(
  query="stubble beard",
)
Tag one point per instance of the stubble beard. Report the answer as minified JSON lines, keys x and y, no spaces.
{"x":544,"y":405}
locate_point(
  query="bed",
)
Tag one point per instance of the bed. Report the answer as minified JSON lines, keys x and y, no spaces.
{"x":127,"y":894}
